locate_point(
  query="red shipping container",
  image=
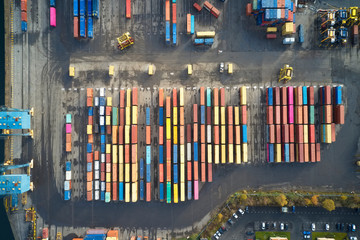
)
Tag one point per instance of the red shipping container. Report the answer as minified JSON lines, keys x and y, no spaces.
{"x":161,"y":135}
{"x":196,"y":170}
{"x":90,"y":138}
{"x":161,"y":97}
{"x":271,"y":133}
{"x":312,"y":152}
{"x":311,"y":133}
{"x":283,"y":91}
{"x":134,"y":134}
{"x":76,"y":27}
{"x":197,"y":7}
{"x":23,"y":5}
{"x":327,"y":96}
{"x":135,"y":96}
{"x":203,"y":169}
{"x":202,"y":132}
{"x":202,"y":96}
{"x":182,"y":135}
{"x":128,"y":8}
{"x":300,"y":133}
{"x":271,"y":36}
{"x":208,"y":115}
{"x":243,"y":116}
{"x":248,"y":9}
{"x":108,"y":111}
{"x":102,"y":175}
{"x":102,"y":167}
{"x":89,"y":157}
{"x":327,"y":114}
{"x":305,"y":114}
{"x":127,"y":153}
{"x":299,"y":114}
{"x":318,"y":154}
{"x":291,"y":133}
{"x":284,"y":114}
{"x":277,"y":115}
{"x":121,"y":134}
{"x":161,"y":172}
{"x":122,"y":98}
{"x":189,"y":170}
{"x":24,"y":16}
{"x":108,"y":129}
{"x":89,"y":195}
{"x":298,"y":96}
{"x":285,"y":133}
{"x":108,"y":158}
{"x":306,"y":152}
{"x":277,"y":95}
{"x":216,"y":134}
{"x":89,"y":102}
{"x":208,"y":6}
{"x":96,"y":155}
{"x":122,"y":117}
{"x":148,"y":135}
{"x":333,"y":132}
{"x":277,"y":133}
{"x":195,"y":113}
{"x":195,"y":136}
{"x":339,"y":114}
{"x":174,"y":95}
{"x":90,"y":120}
{"x":209,"y":170}
{"x":168,"y":107}
{"x":168,"y":149}
{"x":311,"y":95}
{"x":214,"y":11}
{"x":269,"y":115}
{"x":230,"y":134}
{"x":237,"y":135}
{"x":230,"y":115}
{"x":300,"y":152}
{"x":222,"y":97}
{"x":108,"y":187}
{"x":148,"y":192}
{"x":174,"y":13}
{"x":188,"y":133}
{"x":182,"y":113}
{"x":115,"y":191}
{"x":216,"y":96}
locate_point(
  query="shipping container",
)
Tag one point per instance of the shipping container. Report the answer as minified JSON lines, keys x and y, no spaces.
{"x":197,"y":7}
{"x":269,"y":115}
{"x":52,"y":17}
{"x":82,"y":7}
{"x":318,"y":154}
{"x":208,"y":6}
{"x":95,"y":8}
{"x":277,"y":115}
{"x":283,"y":91}
{"x":271,"y":133}
{"x":305,"y":114}
{"x":128,"y":8}
{"x":290,"y":93}
{"x":299,"y":114}
{"x":339,"y":114}
{"x":304,"y":95}
{"x":270,"y":153}
{"x":276,"y":94}
{"x":83,"y":34}
{"x":192,"y":29}
{"x":207,"y":34}
{"x":327,"y":95}
{"x":269,"y":96}
{"x":214,"y":11}
{"x":310,"y":95}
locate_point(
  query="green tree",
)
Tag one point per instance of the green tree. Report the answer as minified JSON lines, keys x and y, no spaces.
{"x":281,"y":200}
{"x":328,"y":204}
{"x":315,"y":200}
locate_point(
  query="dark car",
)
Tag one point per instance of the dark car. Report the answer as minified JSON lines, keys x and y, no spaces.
{"x":247,"y":209}
{"x":249,"y":233}
{"x":231,"y":222}
{"x":342,"y":226}
{"x":286,"y":226}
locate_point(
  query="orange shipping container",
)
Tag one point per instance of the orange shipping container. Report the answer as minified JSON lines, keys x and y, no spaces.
{"x":299,"y":114}
{"x":195,"y":133}
{"x":248,"y":9}
{"x":203,"y":151}
{"x":89,"y":197}
{"x":203,"y":169}
{"x":161,"y":135}
{"x":202,"y":96}
{"x":121,"y":134}
{"x":148,"y":135}
{"x":195,"y":113}
{"x":90,"y":120}
{"x":89,"y":186}
{"x":306,"y":152}
{"x":284,"y":115}
{"x":122,"y":98}
{"x":168,"y":107}
{"x":237,"y":135}
{"x":90,"y":92}
{"x":128,"y":8}
{"x":89,"y":102}
{"x":230,"y":115}
{"x":202,"y":132}
{"x":161,"y":172}
{"x":292,"y":152}
{"x":68,"y":147}
{"x":134,"y":134}
{"x":189,"y":175}
{"x":216,"y":96}
{"x":90,"y":138}
{"x":174,"y":95}
{"x":167,"y":10}
{"x":196,"y":170}
{"x":230,"y":134}
{"x":318,"y":154}
{"x":168,"y":150}
{"x":114,"y":134}
{"x":135,"y":96}
{"x":174,"y":12}
{"x":168,"y":171}
{"x":24,"y":5}
{"x":188,"y":23}
{"x":222,"y":97}
{"x":122,"y":117}
{"x":114,"y":172}
{"x":209,"y":172}
{"x":96,"y":156}
{"x":333,"y":132}
{"x":68,"y":137}
{"x":24,"y":16}
{"x":312,"y":152}
{"x":76,"y":27}
{"x":127,"y":153}
{"x":182,"y":116}
{"x":215,"y":12}
{"x":216,"y":135}
{"x":328,"y":113}
{"x":134,"y":153}
{"x":277,"y":115}
{"x":272,"y":133}
{"x":108,"y":187}
{"x":269,"y":115}
{"x":114,"y":194}
{"x":148,"y":192}
{"x":89,"y":176}
{"x":113,"y":233}
{"x":161,"y":97}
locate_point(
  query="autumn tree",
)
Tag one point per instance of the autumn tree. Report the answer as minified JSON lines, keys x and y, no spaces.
{"x":328,"y":204}
{"x":315,"y":200}
{"x":281,"y":200}
{"x":307,"y":201}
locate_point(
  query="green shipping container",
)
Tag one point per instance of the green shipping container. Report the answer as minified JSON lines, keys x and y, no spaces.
{"x":208,"y":97}
{"x":168,"y":192}
{"x":115,"y":116}
{"x":312,"y":114}
{"x":107,"y":197}
{"x":255,"y":3}
{"x":68,"y":118}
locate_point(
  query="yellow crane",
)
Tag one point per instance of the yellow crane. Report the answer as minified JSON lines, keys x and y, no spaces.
{"x":125,"y":41}
{"x":286,"y":73}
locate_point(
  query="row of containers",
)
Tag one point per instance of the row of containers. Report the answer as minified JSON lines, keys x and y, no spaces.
{"x":84,"y":13}
{"x":217,"y":126}
{"x":173,"y":21}
{"x":291,"y":124}
{"x":68,"y":130}
{"x":24,"y":15}
{"x":100,"y":234}
{"x":145,"y":186}
{"x":204,"y":38}
{"x":67,"y":182}
{"x":52,"y":13}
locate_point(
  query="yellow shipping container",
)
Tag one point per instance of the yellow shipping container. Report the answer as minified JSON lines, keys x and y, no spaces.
{"x":89,"y":129}
{"x":223,"y":115}
{"x":127,"y":172}
{"x":209,"y":152}
{"x":108,"y":177}
{"x":134,"y":172}
{"x":127,"y":134}
{"x":223,"y":153}
{"x":168,"y":129}
{"x":128,"y":97}
{"x":216,"y":154}
{"x":237,"y":115}
{"x":121,"y":172}
{"x":181,"y":95}
{"x":108,"y":148}
{"x":134,"y":192}
{"x":109,"y":102}
{"x":115,"y":154}
{"x":176,"y":197}
{"x":230,"y":68}
{"x":134,"y":114}
{"x":182,"y":191}
{"x":127,"y":115}
{"x":243,"y":95}
{"x":278,"y":152}
{"x":111,"y":70}
{"x":238,"y":153}
{"x":108,"y":120}
{"x":182,"y":172}
{"x":205,"y":34}
{"x":189,"y":68}
{"x":71,"y":71}
{"x":127,"y":192}
{"x":182,"y":153}
{"x":175,"y":135}
{"x":175,"y":115}
{"x":223,"y":134}
{"x":216,"y":115}
{"x":328,"y":133}
{"x":121,"y":153}
{"x":306,"y":133}
{"x":231,"y":152}
{"x":287,"y":28}
{"x":151,"y":70}
{"x":271,"y":29}
{"x":244,"y":152}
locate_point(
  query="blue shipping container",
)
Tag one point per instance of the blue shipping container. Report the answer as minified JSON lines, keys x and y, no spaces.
{"x":76,"y":8}
{"x":196,"y":151}
{"x":148,"y":173}
{"x":82,"y":7}
{"x":102,"y":129}
{"x":199,"y":41}
{"x":102,"y":101}
{"x":121,"y":191}
{"x":175,"y":173}
{"x":95,"y":8}
{"x":82,"y":26}
{"x":67,"y":195}
{"x":89,"y":147}
{"x":338,"y":95}
{"x":161,"y":116}
{"x":102,"y":196}
{"x":68,"y":166}
{"x":89,"y":167}
{"x":94,"y":237}
{"x":91,"y":111}
{"x":209,"y":41}
{"x":301,"y":33}
{"x":90,"y":27}
{"x":23,"y":26}
{"x":270,"y":96}
{"x":161,"y":191}
{"x":175,"y":153}
{"x":304,"y":93}
{"x":147,"y":116}
{"x":52,"y":3}
{"x":89,"y":8}
{"x":102,"y":148}
{"x":192,"y":22}
{"x":167,"y":32}
{"x":271,"y":153}
{"x":102,"y":139}
{"x":208,"y":97}
{"x":189,"y":192}
{"x":161,"y":154}
{"x":202,"y":114}
{"x":259,"y":19}
{"x":141,"y":168}
{"x":141,"y":189}
{"x":244,"y":133}
{"x":174,"y":33}
{"x":286,"y":152}
{"x":148,"y":154}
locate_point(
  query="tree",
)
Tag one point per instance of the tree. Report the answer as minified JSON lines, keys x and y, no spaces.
{"x":328,"y":204}
{"x":343,"y":197}
{"x":243,"y":197}
{"x":307,"y":201}
{"x":315,"y":200}
{"x":281,"y":200}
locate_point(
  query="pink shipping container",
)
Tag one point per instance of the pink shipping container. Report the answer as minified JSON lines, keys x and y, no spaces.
{"x":311,"y":95}
{"x":52,"y":17}
{"x":196,"y":190}
{"x":312,"y":152}
{"x":318,"y":154}
{"x":68,"y":128}
{"x":291,"y":114}
{"x":290,"y":95}
{"x":269,"y":115}
{"x":271,"y":133}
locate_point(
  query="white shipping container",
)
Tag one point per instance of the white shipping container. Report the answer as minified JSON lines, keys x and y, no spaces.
{"x":103,"y":186}
{"x":96,"y":165}
{"x":97,"y":185}
{"x":208,"y":127}
{"x":289,"y":40}
{"x":97,"y":174}
{"x":102,"y":110}
{"x":97,"y":195}
{"x":67,"y":185}
{"x":278,"y":13}
{"x":188,"y":151}
{"x":68,"y":175}
{"x":103,"y":157}
{"x":102,"y":120}
{"x":102,"y":92}
{"x":96,"y":101}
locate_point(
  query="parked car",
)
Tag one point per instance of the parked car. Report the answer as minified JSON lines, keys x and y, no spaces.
{"x":327,"y":227}
{"x":241,"y":211}
{"x":282,"y":226}
{"x":274,"y":225}
{"x":262,"y":226}
{"x":222,"y":67}
{"x":247,"y":209}
{"x":249,"y":233}
{"x":286,"y":226}
{"x":216,"y":236}
{"x":313,"y":227}
{"x":231,"y":222}
{"x":235,"y":216}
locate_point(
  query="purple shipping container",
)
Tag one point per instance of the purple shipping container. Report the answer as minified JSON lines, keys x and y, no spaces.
{"x":196,"y":190}
{"x":291,"y":114}
{"x":290,"y":95}
{"x":68,"y":128}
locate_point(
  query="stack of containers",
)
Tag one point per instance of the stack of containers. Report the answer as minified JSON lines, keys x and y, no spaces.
{"x":96,"y":175}
{"x":90,"y":20}
{"x":167,"y":21}
{"x":216,"y":126}
{"x":175,"y":148}
{"x":161,"y":144}
{"x":290,"y":107}
{"x":230,"y":128}
{"x":237,"y":134}
{"x":24,"y":15}
{"x":168,"y":149}
{"x":90,"y":155}
{"x":192,"y":29}
{"x":189,"y":164}
{"x":190,"y":23}
{"x":311,"y":128}
{"x":243,"y":122}
{"x":174,"y":21}
{"x":213,"y":10}
{"x":68,"y":132}
{"x":67,"y":183}
{"x":95,"y":8}
{"x":204,"y":38}
{"x":127,"y":144}
{"x":223,"y":125}
{"x":326,"y":115}
{"x":115,"y":130}
{"x":209,"y":134}
{"x":270,"y":127}
{"x":339,"y":111}
{"x":299,"y":127}
{"x":182,"y":144}
{"x":196,"y":152}
{"x":148,"y":155}
{"x":82,"y":18}
{"x":128,"y":9}
{"x":306,"y":124}
{"x":112,"y":235}
{"x":277,"y":121}
{"x":102,"y":143}
{"x":134,"y":137}
{"x":52,"y":13}
{"x":108,"y":111}
{"x":76,"y":18}
{"x":121,"y":144}
{"x":285,"y":147}
{"x":141,"y":170}
{"x":202,"y":135}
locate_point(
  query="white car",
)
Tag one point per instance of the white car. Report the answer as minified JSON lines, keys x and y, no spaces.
{"x":313,"y":227}
{"x":327,"y":227}
{"x":241,"y":211}
{"x":262,"y":226}
{"x":222,"y":67}
{"x":281,"y":226}
{"x":235,"y":216}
